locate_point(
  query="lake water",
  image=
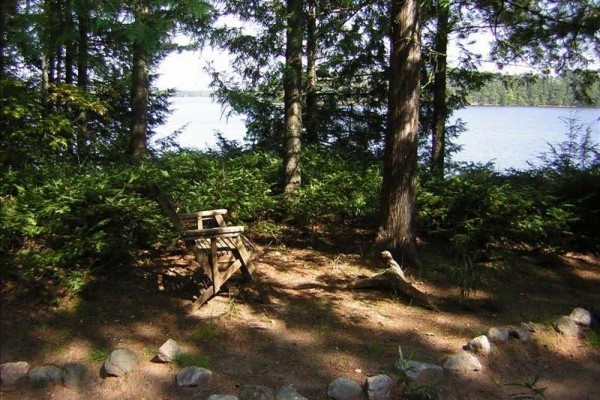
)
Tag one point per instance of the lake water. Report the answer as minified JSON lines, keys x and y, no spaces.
{"x":509,"y":136}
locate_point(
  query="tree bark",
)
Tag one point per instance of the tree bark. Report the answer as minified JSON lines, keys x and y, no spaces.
{"x":398,"y":193}
{"x":139,"y":95}
{"x":69,"y":45}
{"x":312,"y":135}
{"x":440,"y":108}
{"x":292,"y":99}
{"x":82,"y":53}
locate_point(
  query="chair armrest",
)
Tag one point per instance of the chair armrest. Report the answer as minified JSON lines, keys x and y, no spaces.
{"x":203,"y":214}
{"x":213,"y":232}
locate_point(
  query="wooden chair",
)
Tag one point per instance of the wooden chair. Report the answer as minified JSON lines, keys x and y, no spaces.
{"x":221,"y":250}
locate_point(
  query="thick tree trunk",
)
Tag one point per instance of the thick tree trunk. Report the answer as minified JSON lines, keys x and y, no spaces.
{"x":82,"y":53}
{"x":69,"y":45}
{"x":398,"y":193}
{"x":83,"y":17}
{"x":312,"y":135}
{"x":292,"y":99}
{"x":139,"y":101}
{"x":440,"y":108}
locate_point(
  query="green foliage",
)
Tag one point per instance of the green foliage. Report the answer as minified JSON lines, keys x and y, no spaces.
{"x":190,"y":360}
{"x":573,"y":89}
{"x":592,"y":338}
{"x":61,"y":222}
{"x":98,"y":354}
{"x":478,"y":206}
{"x":243,"y":184}
{"x":336,"y":188}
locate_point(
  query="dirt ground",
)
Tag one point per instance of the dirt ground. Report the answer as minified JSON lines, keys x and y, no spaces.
{"x":301,"y":325}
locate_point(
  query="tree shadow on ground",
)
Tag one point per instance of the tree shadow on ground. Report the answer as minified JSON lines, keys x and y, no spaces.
{"x":307,"y":330}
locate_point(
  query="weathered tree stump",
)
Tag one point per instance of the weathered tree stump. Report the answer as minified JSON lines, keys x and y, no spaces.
{"x":393,"y":278}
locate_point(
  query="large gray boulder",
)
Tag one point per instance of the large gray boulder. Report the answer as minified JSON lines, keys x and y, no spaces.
{"x":566,"y":326}
{"x":581,"y":316}
{"x":256,"y":392}
{"x":379,"y":387}
{"x":289,"y":392}
{"x":421,"y":372}
{"x":344,"y":389}
{"x":120,"y":362}
{"x":462,"y":362}
{"x":222,"y":397}
{"x":193,"y":376}
{"x":45,"y":375}
{"x":11,"y":372}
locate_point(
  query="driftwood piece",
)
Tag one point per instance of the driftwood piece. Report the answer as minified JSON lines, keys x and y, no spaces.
{"x":393,"y":278}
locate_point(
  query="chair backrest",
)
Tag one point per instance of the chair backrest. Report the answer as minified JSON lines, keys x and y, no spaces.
{"x":168,"y":208}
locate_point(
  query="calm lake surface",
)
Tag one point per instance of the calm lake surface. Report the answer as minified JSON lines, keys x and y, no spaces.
{"x":508,"y":136}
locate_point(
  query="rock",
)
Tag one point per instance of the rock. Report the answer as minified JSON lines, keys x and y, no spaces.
{"x":74,"y":374}
{"x":169,"y":351}
{"x":11,"y":372}
{"x":566,"y":326}
{"x":45,"y":375}
{"x":581,"y":316}
{"x":344,"y":389}
{"x":523,"y":332}
{"x":462,"y":362}
{"x":256,"y":392}
{"x":288,"y":392}
{"x":379,"y":387}
{"x":479,"y":345}
{"x":498,"y":334}
{"x":120,"y":362}
{"x":193,"y":376}
{"x":422,"y":373}
{"x":222,"y":397}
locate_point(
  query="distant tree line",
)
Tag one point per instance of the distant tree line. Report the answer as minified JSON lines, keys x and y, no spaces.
{"x":530,"y":90}
{"x":193,"y":93}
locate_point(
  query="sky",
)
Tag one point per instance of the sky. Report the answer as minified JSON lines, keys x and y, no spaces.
{"x":186,"y":70}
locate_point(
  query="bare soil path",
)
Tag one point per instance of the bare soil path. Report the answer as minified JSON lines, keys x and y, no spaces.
{"x":304,"y":327}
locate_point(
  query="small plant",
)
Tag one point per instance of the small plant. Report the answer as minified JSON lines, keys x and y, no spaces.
{"x":464,"y":271}
{"x":323,"y":329}
{"x":190,"y":360}
{"x":413,"y":390}
{"x":206,"y":332}
{"x":99,"y":355}
{"x":374,"y":347}
{"x":531,"y":391}
{"x":592,"y":339}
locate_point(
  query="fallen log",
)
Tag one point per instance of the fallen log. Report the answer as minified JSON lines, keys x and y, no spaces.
{"x":393,"y":278}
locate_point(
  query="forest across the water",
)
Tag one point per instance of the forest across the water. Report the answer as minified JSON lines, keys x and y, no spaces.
{"x":512,"y":90}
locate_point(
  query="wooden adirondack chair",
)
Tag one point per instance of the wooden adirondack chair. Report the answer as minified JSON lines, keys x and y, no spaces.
{"x":221,"y":250}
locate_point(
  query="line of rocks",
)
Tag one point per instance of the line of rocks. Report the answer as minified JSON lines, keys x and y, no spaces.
{"x":467,"y":359}
{"x":123,"y":361}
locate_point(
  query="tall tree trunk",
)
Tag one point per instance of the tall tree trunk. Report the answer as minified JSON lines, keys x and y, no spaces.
{"x":398,"y":194}
{"x":292,"y":99}
{"x":139,"y":101}
{"x":82,"y":53}
{"x":83,"y":17}
{"x":440,"y":108}
{"x":312,"y":135}
{"x":69,"y":45}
